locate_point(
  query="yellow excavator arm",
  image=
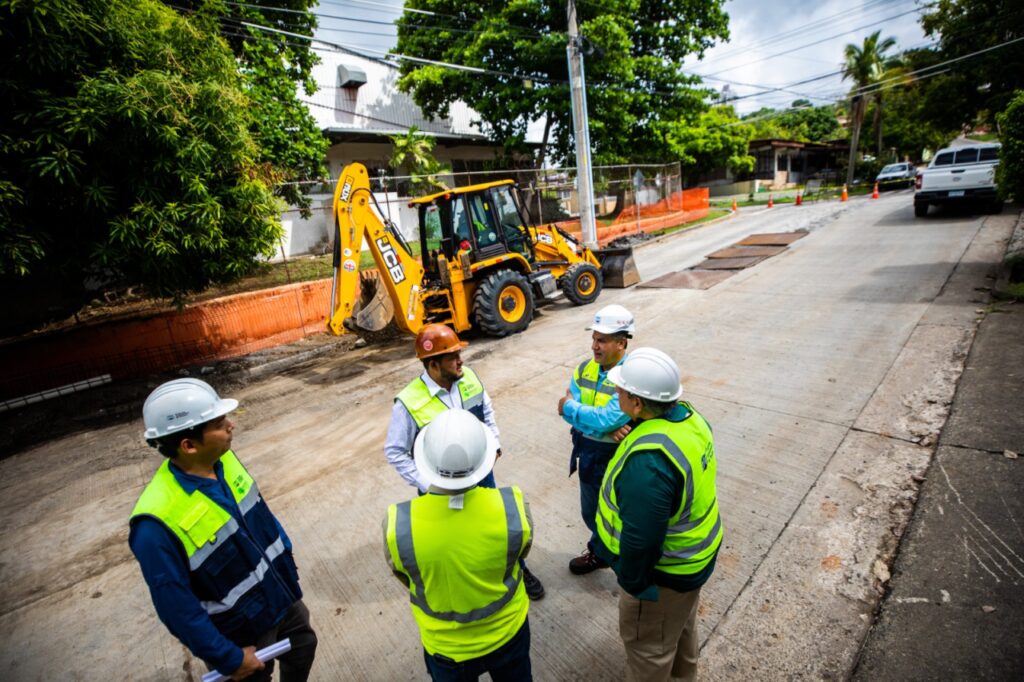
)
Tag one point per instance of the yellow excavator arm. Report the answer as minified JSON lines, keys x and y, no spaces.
{"x":400,"y":272}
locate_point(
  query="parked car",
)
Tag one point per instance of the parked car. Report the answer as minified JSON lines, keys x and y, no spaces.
{"x":959,"y":175}
{"x":896,"y":175}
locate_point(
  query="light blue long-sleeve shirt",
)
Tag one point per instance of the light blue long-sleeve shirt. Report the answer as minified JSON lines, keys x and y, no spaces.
{"x":593,"y":422}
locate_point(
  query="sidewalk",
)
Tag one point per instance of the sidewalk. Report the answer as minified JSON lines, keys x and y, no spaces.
{"x":955,"y":609}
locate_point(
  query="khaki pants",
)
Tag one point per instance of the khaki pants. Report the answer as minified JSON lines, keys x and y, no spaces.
{"x":660,"y":636}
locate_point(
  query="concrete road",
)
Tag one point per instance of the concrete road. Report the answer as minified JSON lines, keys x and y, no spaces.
{"x":826,"y":372}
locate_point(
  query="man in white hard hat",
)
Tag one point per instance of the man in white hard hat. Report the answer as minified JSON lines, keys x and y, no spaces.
{"x":217,"y":562}
{"x":658,"y":520}
{"x":458,"y":550}
{"x":591,"y":408}
{"x":445,"y":383}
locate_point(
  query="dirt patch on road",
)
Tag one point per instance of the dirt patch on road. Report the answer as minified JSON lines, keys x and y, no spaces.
{"x":121,"y":401}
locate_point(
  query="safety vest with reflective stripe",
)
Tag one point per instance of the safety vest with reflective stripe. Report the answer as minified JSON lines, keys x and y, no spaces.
{"x":240,"y":572}
{"x":462,"y":566}
{"x":695,"y":529}
{"x":424,"y":407}
{"x":594,"y":391}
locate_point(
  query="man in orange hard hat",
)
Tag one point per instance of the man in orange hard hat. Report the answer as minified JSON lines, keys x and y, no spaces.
{"x":444,"y":384}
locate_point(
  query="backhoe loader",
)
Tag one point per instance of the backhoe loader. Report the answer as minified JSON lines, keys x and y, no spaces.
{"x":476,"y":262}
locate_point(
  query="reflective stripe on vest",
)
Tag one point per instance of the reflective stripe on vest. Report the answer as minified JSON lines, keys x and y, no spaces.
{"x":687,"y":539}
{"x":593,"y":392}
{"x":424,"y":407}
{"x":511,"y":580}
{"x":249,"y":582}
{"x":202,"y":526}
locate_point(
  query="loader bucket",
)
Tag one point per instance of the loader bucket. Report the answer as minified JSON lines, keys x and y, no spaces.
{"x":618,"y":267}
{"x":374,"y":311}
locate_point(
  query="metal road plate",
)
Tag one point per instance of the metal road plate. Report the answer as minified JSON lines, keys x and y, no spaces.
{"x":688,"y":279}
{"x":747,"y":251}
{"x":728,"y":263}
{"x":772,"y":239}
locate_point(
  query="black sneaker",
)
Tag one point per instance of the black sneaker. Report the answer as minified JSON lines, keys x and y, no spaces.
{"x":586,"y":563}
{"x":534,"y":588}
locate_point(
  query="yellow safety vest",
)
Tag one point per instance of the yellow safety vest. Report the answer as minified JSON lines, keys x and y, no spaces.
{"x":241,"y":573}
{"x":462,"y":565}
{"x":694,"y":532}
{"x":594,"y":391}
{"x":424,"y":407}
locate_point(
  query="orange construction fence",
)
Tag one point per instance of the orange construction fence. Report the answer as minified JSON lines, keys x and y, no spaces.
{"x":680,"y":207}
{"x":212,"y":330}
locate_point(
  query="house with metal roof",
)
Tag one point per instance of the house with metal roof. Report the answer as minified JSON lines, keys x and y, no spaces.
{"x":358,"y":105}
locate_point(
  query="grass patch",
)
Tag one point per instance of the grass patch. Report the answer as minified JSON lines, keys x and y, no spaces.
{"x":1015,"y":290}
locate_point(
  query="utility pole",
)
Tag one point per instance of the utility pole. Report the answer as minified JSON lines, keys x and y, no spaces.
{"x":584,"y":179}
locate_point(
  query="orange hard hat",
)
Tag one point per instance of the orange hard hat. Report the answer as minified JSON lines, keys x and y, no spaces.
{"x":437,"y":339}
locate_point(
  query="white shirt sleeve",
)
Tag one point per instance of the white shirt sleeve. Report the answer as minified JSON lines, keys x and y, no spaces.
{"x":398,"y":446}
{"x":489,"y":418}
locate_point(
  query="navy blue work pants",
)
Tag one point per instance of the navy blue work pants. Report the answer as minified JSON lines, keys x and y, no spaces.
{"x":508,"y":663}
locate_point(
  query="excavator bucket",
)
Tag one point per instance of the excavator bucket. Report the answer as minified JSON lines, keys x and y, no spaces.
{"x":618,"y":268}
{"x":374,"y":312}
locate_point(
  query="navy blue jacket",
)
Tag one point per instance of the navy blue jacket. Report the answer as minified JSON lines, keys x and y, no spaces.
{"x":177,"y":593}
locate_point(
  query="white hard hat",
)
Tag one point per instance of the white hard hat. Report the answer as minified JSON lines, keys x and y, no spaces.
{"x":649,"y":373}
{"x":182,"y":404}
{"x":613,"y":319}
{"x":455,"y":451}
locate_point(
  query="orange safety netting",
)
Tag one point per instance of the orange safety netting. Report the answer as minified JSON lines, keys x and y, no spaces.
{"x":679,"y":208}
{"x":213,"y":330}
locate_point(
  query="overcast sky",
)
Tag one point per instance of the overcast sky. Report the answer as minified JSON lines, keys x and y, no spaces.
{"x":811,"y":34}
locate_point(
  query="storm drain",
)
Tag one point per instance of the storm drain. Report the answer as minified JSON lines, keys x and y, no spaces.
{"x":724,"y":263}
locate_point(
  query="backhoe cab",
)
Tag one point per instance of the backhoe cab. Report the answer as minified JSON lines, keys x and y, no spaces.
{"x":481,"y":263}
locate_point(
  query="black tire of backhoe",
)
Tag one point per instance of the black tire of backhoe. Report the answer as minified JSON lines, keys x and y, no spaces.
{"x":486,"y":302}
{"x":568,"y":283}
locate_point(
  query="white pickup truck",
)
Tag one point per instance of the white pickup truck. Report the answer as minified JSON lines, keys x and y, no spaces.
{"x":959,"y":175}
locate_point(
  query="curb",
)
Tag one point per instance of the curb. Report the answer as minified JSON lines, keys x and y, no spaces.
{"x":1012,"y":263}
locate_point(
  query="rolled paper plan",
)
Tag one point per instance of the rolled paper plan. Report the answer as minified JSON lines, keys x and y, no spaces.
{"x":272,"y":651}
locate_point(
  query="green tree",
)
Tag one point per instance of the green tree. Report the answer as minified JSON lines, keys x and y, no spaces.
{"x":274,"y":66}
{"x":802,"y":121}
{"x":910,"y":127}
{"x":863,"y":64}
{"x":637,"y":91}
{"x":809,"y":123}
{"x":764,"y":125}
{"x":975,"y":89}
{"x":415,"y":152}
{"x":1011,"y":162}
{"x":717,"y":139}
{"x":126,"y":154}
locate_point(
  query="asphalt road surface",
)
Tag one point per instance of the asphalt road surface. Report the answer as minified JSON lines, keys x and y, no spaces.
{"x":825,"y":371}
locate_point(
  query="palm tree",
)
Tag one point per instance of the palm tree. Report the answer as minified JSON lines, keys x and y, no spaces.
{"x":864,"y":65}
{"x":416,"y":151}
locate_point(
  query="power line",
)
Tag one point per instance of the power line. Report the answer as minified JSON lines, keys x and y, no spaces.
{"x":799,"y":30}
{"x":816,"y":42}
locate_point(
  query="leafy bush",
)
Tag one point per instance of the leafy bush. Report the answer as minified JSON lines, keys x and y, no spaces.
{"x":1011,"y":161}
{"x":126,"y":153}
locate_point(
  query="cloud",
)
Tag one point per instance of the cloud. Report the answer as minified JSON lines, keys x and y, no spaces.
{"x":771,"y":46}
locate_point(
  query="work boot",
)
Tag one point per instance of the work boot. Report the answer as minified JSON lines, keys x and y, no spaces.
{"x":534,"y":588}
{"x":586,"y":562}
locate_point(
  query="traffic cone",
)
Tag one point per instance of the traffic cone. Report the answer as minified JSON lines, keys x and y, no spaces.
{"x":874,"y":193}
{"x":799,"y":199}
{"x":845,"y":196}
{"x":734,"y":207}
{"x":770,"y":202}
